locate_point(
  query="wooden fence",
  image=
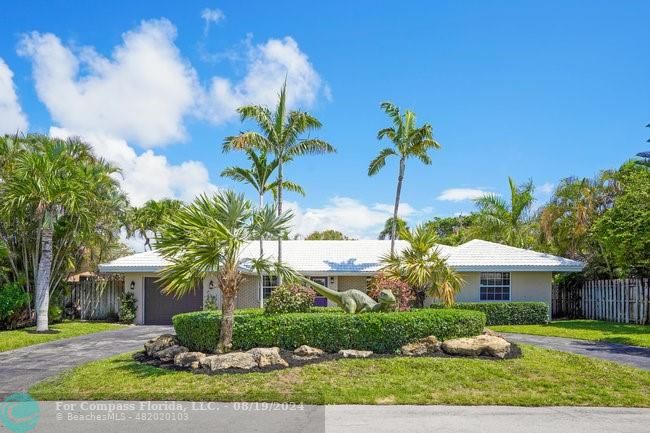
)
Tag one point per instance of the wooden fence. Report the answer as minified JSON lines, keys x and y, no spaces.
{"x":624,"y":301}
{"x":96,"y":298}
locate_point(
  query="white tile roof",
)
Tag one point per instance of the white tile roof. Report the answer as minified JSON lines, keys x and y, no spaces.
{"x":362,"y":257}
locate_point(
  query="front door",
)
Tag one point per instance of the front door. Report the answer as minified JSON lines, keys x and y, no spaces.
{"x":320,"y":301}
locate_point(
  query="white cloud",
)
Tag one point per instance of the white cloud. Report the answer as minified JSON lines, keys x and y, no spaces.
{"x":148,"y":176}
{"x":267,"y":66}
{"x":211,"y":16}
{"x":546,"y":188}
{"x":347,"y":215}
{"x":142,"y":92}
{"x":12,"y":118}
{"x":462,"y":194}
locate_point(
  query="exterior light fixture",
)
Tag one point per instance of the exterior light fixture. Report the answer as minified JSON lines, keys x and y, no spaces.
{"x":211,"y":285}
{"x":132,"y":285}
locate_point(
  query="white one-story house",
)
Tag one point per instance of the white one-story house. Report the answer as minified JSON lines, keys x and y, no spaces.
{"x":492,"y":272}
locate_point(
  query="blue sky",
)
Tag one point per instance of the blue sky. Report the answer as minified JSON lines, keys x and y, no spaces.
{"x":533,"y":90}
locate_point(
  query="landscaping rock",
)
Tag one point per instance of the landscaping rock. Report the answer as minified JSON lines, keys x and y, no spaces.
{"x":423,"y":346}
{"x":169,"y":354}
{"x":159,"y":343}
{"x":265,"y":356}
{"x":487,"y":331}
{"x":238,"y":360}
{"x":307,"y":351}
{"x":475,"y":346}
{"x":189,"y":359}
{"x":351,"y":353}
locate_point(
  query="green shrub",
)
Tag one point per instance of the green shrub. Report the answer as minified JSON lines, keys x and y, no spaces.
{"x":330,"y":331}
{"x":508,"y":313}
{"x":128,"y":308}
{"x":290,"y":299}
{"x":13,"y":302}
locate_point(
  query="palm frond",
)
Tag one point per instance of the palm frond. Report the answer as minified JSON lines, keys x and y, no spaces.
{"x":380,"y":160}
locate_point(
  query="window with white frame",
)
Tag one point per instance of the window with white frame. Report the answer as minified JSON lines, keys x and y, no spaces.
{"x":269,"y":282}
{"x":495,"y":286}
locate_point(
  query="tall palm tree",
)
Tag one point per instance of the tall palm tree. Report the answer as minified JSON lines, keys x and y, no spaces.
{"x":208,"y":236}
{"x":510,"y":223}
{"x":55,"y":181}
{"x":387,"y":231}
{"x":422,"y":267}
{"x":280,"y":134}
{"x":409,"y":141}
{"x":259,"y":177}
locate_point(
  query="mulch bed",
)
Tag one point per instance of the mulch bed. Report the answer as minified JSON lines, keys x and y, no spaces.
{"x":297,"y":361}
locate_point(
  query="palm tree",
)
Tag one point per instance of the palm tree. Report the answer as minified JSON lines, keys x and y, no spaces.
{"x":147,"y":219}
{"x":259,"y":177}
{"x":509,"y":223}
{"x":281,"y":132}
{"x":409,"y":141}
{"x":208,"y":236}
{"x":422,"y":267}
{"x":387,"y":231}
{"x":58,"y":183}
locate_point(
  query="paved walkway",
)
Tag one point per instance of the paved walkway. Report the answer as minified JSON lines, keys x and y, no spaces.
{"x":161,"y":417}
{"x":21,"y":368}
{"x":632,"y":355}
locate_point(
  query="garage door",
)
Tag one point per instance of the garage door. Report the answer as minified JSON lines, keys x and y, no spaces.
{"x":159,"y":308}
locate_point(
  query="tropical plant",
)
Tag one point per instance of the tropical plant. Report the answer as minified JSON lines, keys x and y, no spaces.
{"x":508,"y":223}
{"x":280,"y":135}
{"x":13,"y":302}
{"x":404,"y":295}
{"x":208,"y":236}
{"x":128,"y":308}
{"x":408,"y":141}
{"x":146,"y":220}
{"x":290,"y":298}
{"x":423,"y":268}
{"x":57,"y":200}
{"x":387,"y":231}
{"x":327,"y":235}
{"x":623,"y":230}
{"x":566,"y":220}
{"x":453,"y":230}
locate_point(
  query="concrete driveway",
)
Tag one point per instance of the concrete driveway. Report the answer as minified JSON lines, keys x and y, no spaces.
{"x":634,"y":356}
{"x":21,"y":368}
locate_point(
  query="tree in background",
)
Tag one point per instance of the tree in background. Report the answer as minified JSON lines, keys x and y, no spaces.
{"x":387,"y":231}
{"x":508,"y":223}
{"x":209,"y":235}
{"x":422,"y":267}
{"x":280,"y":135}
{"x":56,"y":198}
{"x":145,"y":221}
{"x":624,"y":229}
{"x":452,"y":230}
{"x":408,"y":141}
{"x":327,"y":235}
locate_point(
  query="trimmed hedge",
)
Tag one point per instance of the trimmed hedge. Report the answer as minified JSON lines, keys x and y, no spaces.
{"x":330,"y":331}
{"x":507,"y":313}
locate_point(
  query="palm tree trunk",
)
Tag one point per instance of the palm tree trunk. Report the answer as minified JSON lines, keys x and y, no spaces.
{"x":398,"y":193}
{"x":43,"y":281}
{"x":280,"y":212}
{"x":259,"y":276}
{"x":227,"y":321}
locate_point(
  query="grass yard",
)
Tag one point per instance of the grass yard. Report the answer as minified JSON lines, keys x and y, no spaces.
{"x":540,"y":377}
{"x":595,"y":330}
{"x":26,"y":337}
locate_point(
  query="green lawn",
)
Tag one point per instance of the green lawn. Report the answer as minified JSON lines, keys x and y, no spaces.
{"x":595,"y":330}
{"x":28,"y":336}
{"x":540,"y":377}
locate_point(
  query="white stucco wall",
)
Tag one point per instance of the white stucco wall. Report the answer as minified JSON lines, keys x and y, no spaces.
{"x":524,"y":286}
